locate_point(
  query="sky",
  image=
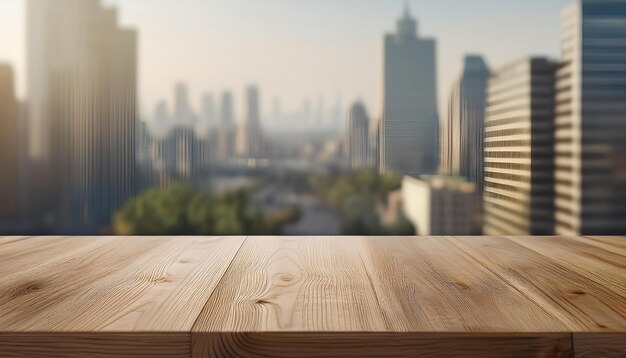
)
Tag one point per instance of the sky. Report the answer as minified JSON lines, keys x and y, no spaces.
{"x":299,"y":49}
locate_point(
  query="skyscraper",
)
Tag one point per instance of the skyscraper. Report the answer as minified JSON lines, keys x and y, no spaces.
{"x":357,"y":137}
{"x":409,"y":128}
{"x":82,"y":70}
{"x":183,"y":114}
{"x":227,"y":129}
{"x":519,"y":150}
{"x":251,"y":142}
{"x":463,"y":132}
{"x":208,"y":112}
{"x":9,"y":134}
{"x":591,"y":120}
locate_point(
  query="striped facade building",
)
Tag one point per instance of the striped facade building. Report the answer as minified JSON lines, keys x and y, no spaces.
{"x":519,"y":148}
{"x":591,"y":120}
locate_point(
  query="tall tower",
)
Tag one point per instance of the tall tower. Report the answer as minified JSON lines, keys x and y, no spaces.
{"x":183,"y":114}
{"x":227,"y":130}
{"x":252,"y":138}
{"x":9,"y":134}
{"x":462,"y":133}
{"x":591,"y":120}
{"x":409,"y":128}
{"x":82,"y":70}
{"x":357,"y":137}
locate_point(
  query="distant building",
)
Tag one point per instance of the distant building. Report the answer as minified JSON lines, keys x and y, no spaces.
{"x":82,"y":89}
{"x":208,"y":117}
{"x":441,"y":205}
{"x":9,"y":151}
{"x":227,"y":129}
{"x":251,"y":136}
{"x":463,"y":132}
{"x":183,"y":113}
{"x":357,"y":137}
{"x":409,"y":128}
{"x":519,"y":150}
{"x":591,"y":120}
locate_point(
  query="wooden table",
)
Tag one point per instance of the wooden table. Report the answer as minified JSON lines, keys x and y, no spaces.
{"x":332,"y":296}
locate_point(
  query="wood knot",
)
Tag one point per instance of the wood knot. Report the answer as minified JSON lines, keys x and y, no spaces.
{"x":162,"y":279}
{"x":184,"y":261}
{"x":262,"y":302}
{"x":461,"y":285}
{"x":26,"y":288}
{"x":579,"y":292}
{"x":287,"y":278}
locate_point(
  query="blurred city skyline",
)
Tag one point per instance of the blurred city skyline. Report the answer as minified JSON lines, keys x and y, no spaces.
{"x":248,"y":129}
{"x":208,"y":45}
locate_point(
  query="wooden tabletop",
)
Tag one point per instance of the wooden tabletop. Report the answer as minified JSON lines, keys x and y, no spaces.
{"x":313,"y":296}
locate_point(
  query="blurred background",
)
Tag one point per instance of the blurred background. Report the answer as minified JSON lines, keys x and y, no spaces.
{"x":313,"y":117}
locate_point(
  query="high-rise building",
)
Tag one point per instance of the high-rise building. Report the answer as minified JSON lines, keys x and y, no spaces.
{"x":357,"y":137}
{"x":9,"y":155}
{"x":251,"y":139}
{"x":591,"y":120}
{"x":227,"y":129}
{"x":208,"y":112}
{"x":409,"y":128}
{"x":463,"y":132}
{"x":183,"y":114}
{"x":519,"y":150}
{"x":82,"y":70}
{"x":441,"y":205}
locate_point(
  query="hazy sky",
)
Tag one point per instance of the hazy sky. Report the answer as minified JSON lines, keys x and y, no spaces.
{"x":297,"y":49}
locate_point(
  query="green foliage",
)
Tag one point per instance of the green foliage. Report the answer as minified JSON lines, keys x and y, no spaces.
{"x":182,"y":210}
{"x":356,"y":195}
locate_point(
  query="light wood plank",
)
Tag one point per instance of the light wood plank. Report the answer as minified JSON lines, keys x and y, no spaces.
{"x":605,"y":345}
{"x":605,"y":267}
{"x":582,"y":303}
{"x":615,"y":244}
{"x":26,"y":253}
{"x":427,"y":284}
{"x":10,"y":239}
{"x":146,"y":283}
{"x":294,"y":284}
{"x":291,"y":284}
{"x":385,"y":344}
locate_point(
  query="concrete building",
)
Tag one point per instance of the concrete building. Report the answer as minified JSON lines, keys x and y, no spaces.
{"x":441,"y":205}
{"x":463,"y":132}
{"x":81,"y":84}
{"x":357,"y":137}
{"x":591,"y":120}
{"x":9,"y":151}
{"x":409,"y":128}
{"x":519,"y":150}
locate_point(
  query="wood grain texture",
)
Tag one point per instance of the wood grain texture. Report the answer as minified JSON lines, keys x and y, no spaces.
{"x":605,"y":345}
{"x":578,"y":301}
{"x":383,"y":344}
{"x":294,"y":284}
{"x":427,"y":284}
{"x":598,"y":264}
{"x":96,"y":345}
{"x":145,"y":283}
{"x":312,"y":297}
{"x":610,"y":243}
